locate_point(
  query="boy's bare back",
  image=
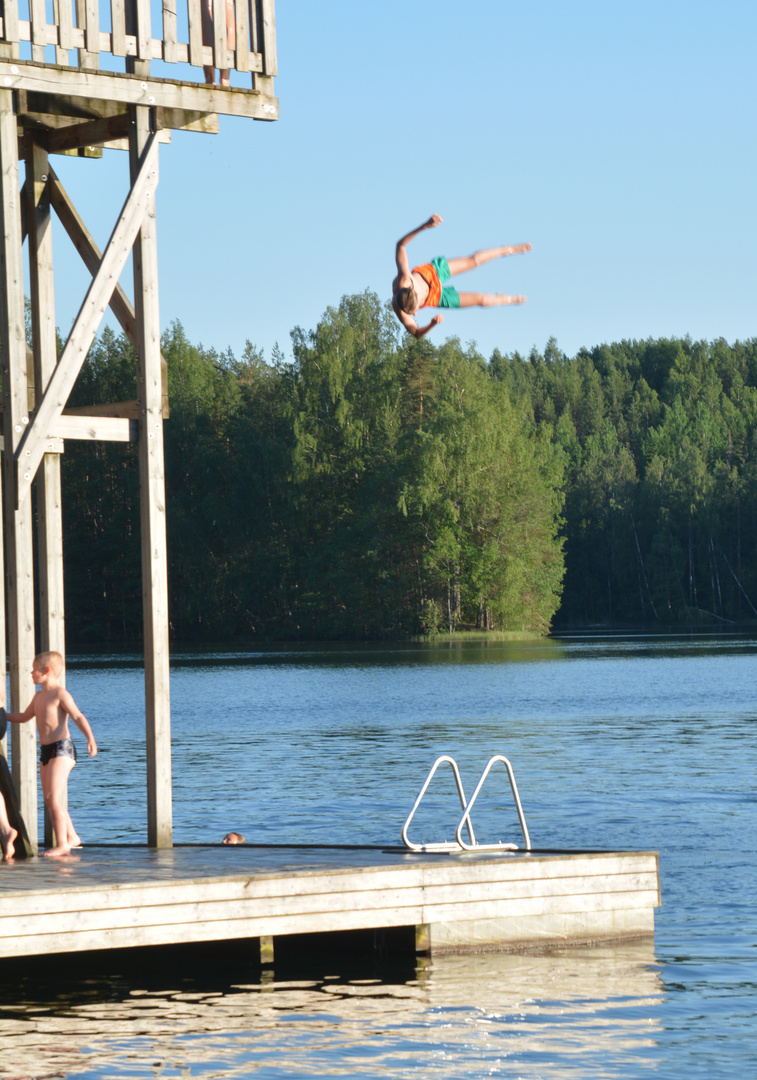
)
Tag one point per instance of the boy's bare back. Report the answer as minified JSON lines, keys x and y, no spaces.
{"x":52,"y":708}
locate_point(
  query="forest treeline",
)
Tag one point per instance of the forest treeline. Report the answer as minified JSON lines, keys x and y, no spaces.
{"x":379,"y":486}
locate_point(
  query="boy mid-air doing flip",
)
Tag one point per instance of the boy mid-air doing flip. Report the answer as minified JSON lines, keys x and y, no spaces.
{"x":425,"y":286}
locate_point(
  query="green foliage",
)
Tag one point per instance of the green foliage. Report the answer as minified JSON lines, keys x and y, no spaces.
{"x":378,"y":486}
{"x":660,"y":442}
{"x":373,"y":487}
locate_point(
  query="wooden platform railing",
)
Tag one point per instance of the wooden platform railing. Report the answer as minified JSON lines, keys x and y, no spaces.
{"x":92,"y":29}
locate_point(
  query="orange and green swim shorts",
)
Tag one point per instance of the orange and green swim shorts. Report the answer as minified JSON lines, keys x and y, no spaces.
{"x":435,"y":274}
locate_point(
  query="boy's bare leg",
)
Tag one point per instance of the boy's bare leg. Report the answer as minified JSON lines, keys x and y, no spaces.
{"x":54,"y":777}
{"x":488,"y":299}
{"x":7,"y":833}
{"x":478,"y":258}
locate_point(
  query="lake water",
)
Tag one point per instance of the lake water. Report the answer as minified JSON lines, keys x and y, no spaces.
{"x":617,"y":742}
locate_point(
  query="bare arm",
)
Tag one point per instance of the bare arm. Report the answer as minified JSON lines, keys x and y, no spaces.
{"x":80,"y":720}
{"x":412,"y":326}
{"x":21,"y":717}
{"x":400,"y":255}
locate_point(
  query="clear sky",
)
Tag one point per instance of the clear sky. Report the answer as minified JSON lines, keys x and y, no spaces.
{"x":618,"y":138}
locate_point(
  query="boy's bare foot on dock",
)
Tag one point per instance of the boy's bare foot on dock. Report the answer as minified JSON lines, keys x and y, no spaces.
{"x":8,"y":841}
{"x":72,"y":843}
{"x":55,"y":852}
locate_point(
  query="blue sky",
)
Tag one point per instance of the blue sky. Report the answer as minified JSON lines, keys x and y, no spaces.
{"x":618,"y":138}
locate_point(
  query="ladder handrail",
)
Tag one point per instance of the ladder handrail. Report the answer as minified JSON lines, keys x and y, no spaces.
{"x":465,"y":821}
{"x":444,"y":846}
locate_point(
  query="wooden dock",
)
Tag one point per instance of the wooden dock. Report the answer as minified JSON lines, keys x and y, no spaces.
{"x":122,"y":897}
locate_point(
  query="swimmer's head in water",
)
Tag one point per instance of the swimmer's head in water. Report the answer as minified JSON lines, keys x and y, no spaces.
{"x":233,"y":838}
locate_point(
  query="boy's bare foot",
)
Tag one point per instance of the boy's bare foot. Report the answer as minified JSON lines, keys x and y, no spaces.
{"x":9,"y":849}
{"x":56,"y":852}
{"x":502,"y":299}
{"x":517,"y":249}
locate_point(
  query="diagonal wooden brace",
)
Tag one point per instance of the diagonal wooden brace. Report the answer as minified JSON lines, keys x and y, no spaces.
{"x":84,"y":243}
{"x":32,"y":447}
{"x":90,"y":253}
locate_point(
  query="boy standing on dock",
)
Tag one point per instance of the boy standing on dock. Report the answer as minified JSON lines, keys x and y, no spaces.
{"x":51,"y":706}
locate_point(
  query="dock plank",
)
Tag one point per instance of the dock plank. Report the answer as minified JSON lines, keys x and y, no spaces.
{"x":307,"y":893}
{"x":119,"y":898}
{"x":172,"y":905}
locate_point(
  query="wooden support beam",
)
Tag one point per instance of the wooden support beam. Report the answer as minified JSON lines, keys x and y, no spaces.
{"x":55,"y":112}
{"x":152,"y":500}
{"x":18,"y":516}
{"x":128,"y":410}
{"x":36,"y":188}
{"x":44,"y":347}
{"x":266,"y":949}
{"x":82,"y":240}
{"x":90,"y":133}
{"x":54,"y":446}
{"x":139,"y":203}
{"x":90,"y":253}
{"x":422,"y":938}
{"x":104,"y":428}
{"x":89,"y":427}
{"x":131,"y":90}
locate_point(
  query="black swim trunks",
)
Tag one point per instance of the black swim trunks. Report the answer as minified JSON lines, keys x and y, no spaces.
{"x":61,"y":748}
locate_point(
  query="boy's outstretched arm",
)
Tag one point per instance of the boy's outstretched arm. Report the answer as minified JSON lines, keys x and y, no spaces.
{"x":412,"y":326}
{"x":80,"y":720}
{"x":400,"y":255}
{"x":21,"y":717}
{"x":421,"y":331}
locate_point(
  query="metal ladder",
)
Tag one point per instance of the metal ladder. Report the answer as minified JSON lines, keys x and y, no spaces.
{"x":459,"y":844}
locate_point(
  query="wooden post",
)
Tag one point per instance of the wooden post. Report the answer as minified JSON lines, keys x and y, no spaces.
{"x":266,"y":949}
{"x":18,"y":519}
{"x":49,"y":495}
{"x":152,"y":505}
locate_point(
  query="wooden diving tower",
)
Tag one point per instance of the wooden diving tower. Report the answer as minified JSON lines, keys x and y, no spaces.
{"x":96,"y":77}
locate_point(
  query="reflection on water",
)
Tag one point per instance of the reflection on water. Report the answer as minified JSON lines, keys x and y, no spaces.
{"x":577,"y":1012}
